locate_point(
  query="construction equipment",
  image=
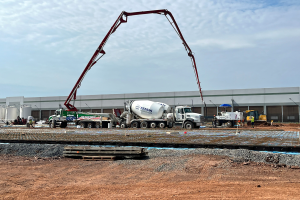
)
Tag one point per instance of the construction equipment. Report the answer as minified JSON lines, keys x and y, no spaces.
{"x":149,"y":114}
{"x":258,"y":118}
{"x":61,"y":118}
{"x":123,"y":19}
{"x":228,"y":118}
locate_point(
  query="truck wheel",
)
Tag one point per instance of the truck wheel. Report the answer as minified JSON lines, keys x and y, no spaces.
{"x":50,"y":124}
{"x":82,"y":125}
{"x":153,"y":125}
{"x":90,"y":125}
{"x":53,"y":124}
{"x":229,"y":124}
{"x":63,"y":125}
{"x":188,"y":125}
{"x":162,"y":125}
{"x":144,"y":124}
{"x":123,"y":125}
{"x":134,"y":125}
{"x":219,"y":123}
{"x":97,"y":125}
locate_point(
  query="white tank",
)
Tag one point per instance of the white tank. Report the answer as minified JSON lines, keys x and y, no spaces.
{"x":2,"y":113}
{"x":167,"y":108}
{"x":147,"y":109}
{"x":25,"y":111}
{"x":12,"y":113}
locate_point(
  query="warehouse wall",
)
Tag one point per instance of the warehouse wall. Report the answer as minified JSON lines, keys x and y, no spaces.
{"x":267,"y":100}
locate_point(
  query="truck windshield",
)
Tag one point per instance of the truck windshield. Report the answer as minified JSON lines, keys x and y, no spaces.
{"x":187,"y":110}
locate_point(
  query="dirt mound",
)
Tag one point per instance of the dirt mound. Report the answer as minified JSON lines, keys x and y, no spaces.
{"x":293,"y":125}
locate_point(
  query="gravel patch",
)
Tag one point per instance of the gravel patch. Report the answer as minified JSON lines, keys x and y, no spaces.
{"x":37,"y":150}
{"x":174,"y":160}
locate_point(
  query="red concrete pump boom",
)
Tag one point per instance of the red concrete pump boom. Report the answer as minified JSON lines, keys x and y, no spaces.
{"x":123,"y":19}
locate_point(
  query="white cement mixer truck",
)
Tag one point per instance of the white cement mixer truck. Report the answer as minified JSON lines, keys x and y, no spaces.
{"x":149,"y":114}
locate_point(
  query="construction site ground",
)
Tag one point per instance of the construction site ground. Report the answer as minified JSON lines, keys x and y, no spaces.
{"x":202,"y":177}
{"x":165,"y":174}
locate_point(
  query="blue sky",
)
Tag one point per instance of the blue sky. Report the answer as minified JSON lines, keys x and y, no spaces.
{"x":45,"y":45}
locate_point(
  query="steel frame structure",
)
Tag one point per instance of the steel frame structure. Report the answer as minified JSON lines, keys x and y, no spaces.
{"x":123,"y":19}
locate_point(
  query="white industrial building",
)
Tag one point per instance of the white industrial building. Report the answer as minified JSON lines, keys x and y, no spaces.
{"x":280,"y":104}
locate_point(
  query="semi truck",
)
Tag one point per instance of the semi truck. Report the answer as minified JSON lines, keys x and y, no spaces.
{"x":61,"y":118}
{"x":149,"y":114}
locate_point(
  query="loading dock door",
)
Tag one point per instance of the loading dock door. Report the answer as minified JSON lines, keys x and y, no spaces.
{"x":274,"y":113}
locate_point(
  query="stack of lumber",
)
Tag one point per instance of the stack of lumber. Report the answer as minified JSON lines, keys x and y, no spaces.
{"x":104,"y":153}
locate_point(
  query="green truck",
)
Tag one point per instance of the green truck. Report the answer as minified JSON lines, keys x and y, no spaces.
{"x":62,"y":117}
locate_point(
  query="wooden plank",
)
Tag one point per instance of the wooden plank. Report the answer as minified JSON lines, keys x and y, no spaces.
{"x":95,"y":158}
{"x":105,"y":148}
{"x":104,"y":152}
{"x":116,"y":155}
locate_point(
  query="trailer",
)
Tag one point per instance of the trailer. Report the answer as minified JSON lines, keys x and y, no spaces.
{"x":228,"y":118}
{"x":62,"y":117}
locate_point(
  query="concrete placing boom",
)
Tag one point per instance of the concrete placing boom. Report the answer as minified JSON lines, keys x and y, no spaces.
{"x":123,"y":19}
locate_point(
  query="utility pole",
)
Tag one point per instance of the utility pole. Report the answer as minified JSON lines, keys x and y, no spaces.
{"x":215,"y":105}
{"x":40,"y":113}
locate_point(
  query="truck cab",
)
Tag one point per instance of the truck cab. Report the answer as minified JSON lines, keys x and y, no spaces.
{"x":61,"y":118}
{"x":188,"y":119}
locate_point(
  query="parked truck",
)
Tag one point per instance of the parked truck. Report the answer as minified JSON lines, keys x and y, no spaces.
{"x":61,"y":118}
{"x":149,"y":114}
{"x":228,"y":118}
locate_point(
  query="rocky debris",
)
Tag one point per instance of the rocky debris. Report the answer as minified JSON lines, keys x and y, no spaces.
{"x":35,"y":150}
{"x":176,"y":159}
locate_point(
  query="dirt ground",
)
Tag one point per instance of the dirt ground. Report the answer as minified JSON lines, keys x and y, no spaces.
{"x":264,"y":127}
{"x":203,"y":177}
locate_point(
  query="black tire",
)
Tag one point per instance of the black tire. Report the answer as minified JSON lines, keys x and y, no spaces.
{"x":188,"y":125}
{"x":162,"y":125}
{"x":90,"y":125}
{"x":229,"y":124}
{"x":97,"y":125}
{"x":54,"y":124}
{"x":219,"y":123}
{"x":153,"y":125}
{"x":134,"y":125}
{"x":144,"y":124}
{"x":50,"y":124}
{"x":170,"y":125}
{"x":63,"y":125}
{"x":82,"y":124}
{"x":123,"y":125}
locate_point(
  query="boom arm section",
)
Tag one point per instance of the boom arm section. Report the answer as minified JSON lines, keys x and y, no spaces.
{"x":123,"y":19}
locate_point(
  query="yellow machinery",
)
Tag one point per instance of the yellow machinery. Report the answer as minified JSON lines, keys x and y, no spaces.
{"x":259,"y":118}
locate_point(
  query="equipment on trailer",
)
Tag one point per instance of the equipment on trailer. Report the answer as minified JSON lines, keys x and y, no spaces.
{"x":228,"y":118}
{"x":123,"y":19}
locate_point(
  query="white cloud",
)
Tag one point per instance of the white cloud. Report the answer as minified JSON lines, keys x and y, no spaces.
{"x":60,"y":36}
{"x":223,"y":43}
